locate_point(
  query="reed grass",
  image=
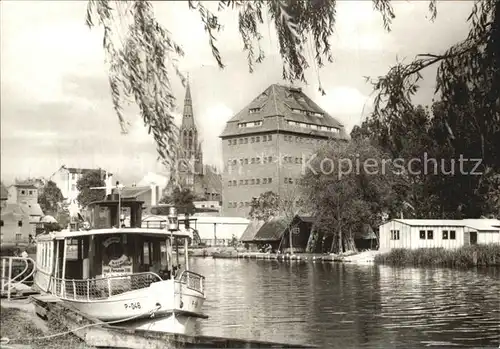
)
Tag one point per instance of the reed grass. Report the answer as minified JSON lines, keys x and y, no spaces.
{"x":466,"y":256}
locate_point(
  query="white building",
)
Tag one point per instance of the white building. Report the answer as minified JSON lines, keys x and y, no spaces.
{"x":67,"y":177}
{"x":438,"y":233}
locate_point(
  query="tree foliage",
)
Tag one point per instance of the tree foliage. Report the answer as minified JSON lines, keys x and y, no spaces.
{"x":142,"y":55}
{"x":181,"y":198}
{"x":50,"y":198}
{"x":349,"y":185}
{"x":86,"y":195}
{"x":265,"y":206}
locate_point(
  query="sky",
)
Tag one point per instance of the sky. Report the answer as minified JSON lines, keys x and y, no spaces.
{"x":56,"y":105}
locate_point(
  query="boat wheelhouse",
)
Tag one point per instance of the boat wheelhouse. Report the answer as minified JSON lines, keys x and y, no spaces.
{"x":116,"y":271}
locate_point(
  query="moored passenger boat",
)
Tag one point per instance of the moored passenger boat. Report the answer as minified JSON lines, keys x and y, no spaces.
{"x":119,"y":273}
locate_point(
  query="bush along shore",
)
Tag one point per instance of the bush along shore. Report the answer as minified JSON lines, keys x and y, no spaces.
{"x":466,"y":256}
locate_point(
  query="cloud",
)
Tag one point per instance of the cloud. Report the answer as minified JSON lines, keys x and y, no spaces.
{"x":56,"y":106}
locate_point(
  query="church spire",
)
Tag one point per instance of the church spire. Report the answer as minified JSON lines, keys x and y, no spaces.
{"x":187,"y":115}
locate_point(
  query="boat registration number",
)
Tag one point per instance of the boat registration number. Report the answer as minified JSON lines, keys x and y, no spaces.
{"x":133,"y":305}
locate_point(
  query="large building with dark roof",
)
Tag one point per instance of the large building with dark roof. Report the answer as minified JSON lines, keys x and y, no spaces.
{"x":265,"y":145}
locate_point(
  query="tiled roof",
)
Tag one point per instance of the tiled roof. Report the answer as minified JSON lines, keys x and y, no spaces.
{"x":278,"y":100}
{"x":4,"y":193}
{"x":251,"y":230}
{"x":31,"y":209}
{"x":85,"y":170}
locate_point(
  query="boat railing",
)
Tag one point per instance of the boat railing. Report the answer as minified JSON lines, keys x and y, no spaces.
{"x":101,"y":288}
{"x":192,"y":280}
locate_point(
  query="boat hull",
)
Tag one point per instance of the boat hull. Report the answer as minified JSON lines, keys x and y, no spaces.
{"x":166,"y":306}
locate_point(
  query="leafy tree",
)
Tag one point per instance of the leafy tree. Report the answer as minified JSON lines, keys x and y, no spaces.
{"x":50,"y":198}
{"x":344,"y":193}
{"x":89,"y":180}
{"x":265,"y":206}
{"x":140,"y":64}
{"x":181,"y":198}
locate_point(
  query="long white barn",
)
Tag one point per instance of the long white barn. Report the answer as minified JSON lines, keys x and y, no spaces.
{"x":434,"y":233}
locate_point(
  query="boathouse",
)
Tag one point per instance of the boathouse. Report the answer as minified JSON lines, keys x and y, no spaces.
{"x":250,"y":232}
{"x":438,"y":233}
{"x":276,"y":232}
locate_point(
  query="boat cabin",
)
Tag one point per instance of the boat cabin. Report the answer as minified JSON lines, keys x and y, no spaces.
{"x":110,"y":247}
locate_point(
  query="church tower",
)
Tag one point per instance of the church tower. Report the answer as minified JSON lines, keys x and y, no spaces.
{"x":191,"y":161}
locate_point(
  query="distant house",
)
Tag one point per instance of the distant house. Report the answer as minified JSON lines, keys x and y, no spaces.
{"x":67,"y":177}
{"x":438,"y":233}
{"x":23,"y":191}
{"x":148,"y":194}
{"x":4,"y":195}
{"x":15,"y":225}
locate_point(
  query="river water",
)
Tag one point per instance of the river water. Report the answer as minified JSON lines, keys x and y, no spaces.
{"x":350,"y":306}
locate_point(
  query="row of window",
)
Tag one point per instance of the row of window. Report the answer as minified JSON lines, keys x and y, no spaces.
{"x":235,"y":204}
{"x":264,"y":160}
{"x":268,"y":138}
{"x":428,"y":235}
{"x":253,"y":181}
{"x":258,"y":181}
{"x":254,"y":139}
{"x":44,"y":253}
{"x":312,"y":126}
{"x":19,"y":223}
{"x":250,"y":124}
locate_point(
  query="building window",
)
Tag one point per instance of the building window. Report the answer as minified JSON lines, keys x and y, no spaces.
{"x":257,"y":181}
{"x":453,"y":235}
{"x":246,"y":140}
{"x":445,"y":234}
{"x":257,"y":139}
{"x":1,"y":223}
{"x":252,"y":139}
{"x":246,"y":181}
{"x":23,"y":192}
{"x":229,"y":142}
{"x":264,"y":180}
{"x":229,"y":183}
{"x":73,"y":187}
{"x":394,"y":234}
{"x":241,"y":140}
{"x":252,"y":181}
{"x":257,"y":160}
{"x":241,"y":181}
{"x":430,"y":234}
{"x":258,"y":123}
{"x":30,"y":192}
{"x":73,"y":176}
{"x":269,"y":180}
{"x":18,"y":237}
{"x":422,"y":234}
{"x":19,"y":223}
{"x":269,"y":137}
{"x":253,"y":110}
{"x":234,"y":183}
{"x":246,"y":161}
{"x":269,"y":159}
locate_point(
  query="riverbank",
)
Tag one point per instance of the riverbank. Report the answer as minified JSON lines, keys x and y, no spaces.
{"x":24,"y":328}
{"x":466,"y":256}
{"x":349,"y":257}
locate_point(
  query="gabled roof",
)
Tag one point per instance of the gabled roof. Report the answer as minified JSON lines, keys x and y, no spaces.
{"x":279,"y":100}
{"x":251,"y":230}
{"x":31,"y":209}
{"x":272,"y":230}
{"x":4,"y":193}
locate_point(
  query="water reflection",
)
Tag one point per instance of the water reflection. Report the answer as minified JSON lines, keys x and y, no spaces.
{"x":349,"y":306}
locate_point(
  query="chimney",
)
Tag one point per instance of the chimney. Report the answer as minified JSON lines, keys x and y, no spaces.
{"x":153,"y":194}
